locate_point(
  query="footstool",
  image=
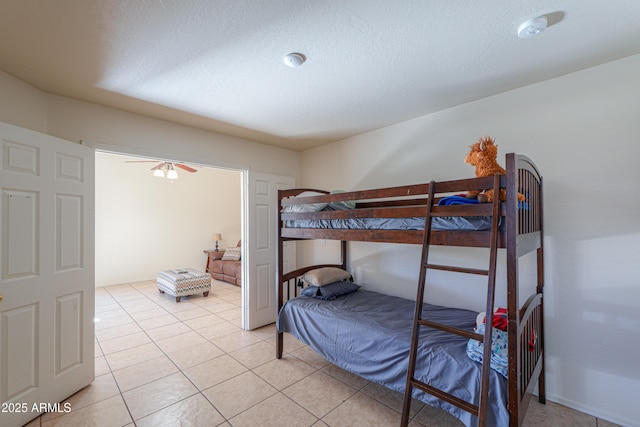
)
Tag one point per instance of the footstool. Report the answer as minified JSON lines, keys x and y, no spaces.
{"x":182,"y":282}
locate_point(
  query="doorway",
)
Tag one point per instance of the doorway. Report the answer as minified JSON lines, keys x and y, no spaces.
{"x":258,"y":234}
{"x":165,"y":223}
{"x":147,"y":223}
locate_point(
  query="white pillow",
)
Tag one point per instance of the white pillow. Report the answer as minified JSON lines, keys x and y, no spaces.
{"x":309,"y":207}
{"x":232,"y":254}
{"x":324,"y":276}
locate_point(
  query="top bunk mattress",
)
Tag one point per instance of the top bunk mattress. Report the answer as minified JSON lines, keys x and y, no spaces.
{"x":458,"y":223}
{"x":369,"y":334}
{"x":441,"y":223}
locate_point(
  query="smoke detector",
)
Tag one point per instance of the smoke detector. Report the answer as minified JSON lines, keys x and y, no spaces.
{"x":294,"y":59}
{"x":532,"y":27}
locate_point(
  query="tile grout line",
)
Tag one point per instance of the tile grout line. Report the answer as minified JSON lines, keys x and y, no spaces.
{"x":133,"y":420}
{"x":357,"y":390}
{"x":167,"y":356}
{"x":262,"y":338}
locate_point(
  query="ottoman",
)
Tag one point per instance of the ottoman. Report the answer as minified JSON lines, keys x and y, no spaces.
{"x":182,"y":282}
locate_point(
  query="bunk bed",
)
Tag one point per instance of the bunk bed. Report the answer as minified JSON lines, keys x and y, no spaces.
{"x":411,"y":346}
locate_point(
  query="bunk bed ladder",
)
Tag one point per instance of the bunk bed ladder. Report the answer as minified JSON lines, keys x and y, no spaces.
{"x":480,"y":410}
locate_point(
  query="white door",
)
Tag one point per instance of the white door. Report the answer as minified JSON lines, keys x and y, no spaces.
{"x":261,"y":192}
{"x":46,"y":272}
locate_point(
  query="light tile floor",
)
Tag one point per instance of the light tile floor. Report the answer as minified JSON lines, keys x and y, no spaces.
{"x":162,"y":363}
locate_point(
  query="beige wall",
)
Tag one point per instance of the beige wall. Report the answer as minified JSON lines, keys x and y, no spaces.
{"x":21,"y":104}
{"x":129,"y":133}
{"x":583,"y":131}
{"x":123,"y":132}
{"x":145,"y":224}
{"x":116,"y":131}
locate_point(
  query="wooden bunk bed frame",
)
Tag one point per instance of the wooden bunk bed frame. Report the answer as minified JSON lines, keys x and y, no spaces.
{"x":521,"y":235}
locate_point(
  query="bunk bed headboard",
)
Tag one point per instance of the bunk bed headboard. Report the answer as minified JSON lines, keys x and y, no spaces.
{"x":526,"y":323}
{"x":524,"y":218}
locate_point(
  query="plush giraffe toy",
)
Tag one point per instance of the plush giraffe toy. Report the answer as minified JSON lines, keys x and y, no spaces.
{"x":483,"y":156}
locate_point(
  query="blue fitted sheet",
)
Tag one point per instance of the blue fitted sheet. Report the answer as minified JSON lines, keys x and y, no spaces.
{"x":369,"y":334}
{"x":456,"y":223}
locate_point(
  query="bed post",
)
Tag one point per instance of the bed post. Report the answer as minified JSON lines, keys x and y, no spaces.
{"x":343,"y":254}
{"x":279,"y":276}
{"x":512,"y":290}
{"x":541,"y":383}
{"x":525,"y":326}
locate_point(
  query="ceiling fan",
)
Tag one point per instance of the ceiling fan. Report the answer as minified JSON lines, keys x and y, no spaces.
{"x":165,"y":169}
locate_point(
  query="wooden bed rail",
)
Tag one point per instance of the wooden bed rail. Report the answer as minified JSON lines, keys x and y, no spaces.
{"x":531,"y":346}
{"x":290,"y":281}
{"x":531,"y":353}
{"x":373,"y":198}
{"x":287,"y":288}
{"x":410,"y":201}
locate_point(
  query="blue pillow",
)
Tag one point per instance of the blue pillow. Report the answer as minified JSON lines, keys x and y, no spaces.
{"x":330,"y":292}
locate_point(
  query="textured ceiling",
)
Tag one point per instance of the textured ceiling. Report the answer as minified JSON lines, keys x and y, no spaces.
{"x":217,"y":64}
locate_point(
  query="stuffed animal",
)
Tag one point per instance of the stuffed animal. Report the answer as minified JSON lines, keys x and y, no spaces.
{"x":483,"y":156}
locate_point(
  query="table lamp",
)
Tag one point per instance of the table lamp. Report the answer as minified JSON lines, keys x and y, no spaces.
{"x":217,"y":237}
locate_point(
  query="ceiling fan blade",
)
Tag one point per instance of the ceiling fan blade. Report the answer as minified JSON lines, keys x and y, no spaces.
{"x":158,"y":166}
{"x":185,"y":167}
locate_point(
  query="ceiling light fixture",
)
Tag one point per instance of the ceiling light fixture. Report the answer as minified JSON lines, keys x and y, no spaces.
{"x":532,"y":27}
{"x":294,"y":59}
{"x":171,"y":173}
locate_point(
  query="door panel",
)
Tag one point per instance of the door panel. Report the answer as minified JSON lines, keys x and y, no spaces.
{"x":46,"y":271}
{"x":69,"y":232}
{"x":20,"y":234}
{"x":260,"y":292}
{"x":22,"y":359}
{"x":68,"y":343}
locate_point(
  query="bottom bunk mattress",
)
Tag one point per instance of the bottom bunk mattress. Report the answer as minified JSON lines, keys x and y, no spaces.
{"x":369,"y":334}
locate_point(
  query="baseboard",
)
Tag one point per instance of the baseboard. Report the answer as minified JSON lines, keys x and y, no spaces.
{"x":603,"y":415}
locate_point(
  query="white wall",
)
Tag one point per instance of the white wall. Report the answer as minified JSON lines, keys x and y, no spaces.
{"x":119,"y":131}
{"x":122,"y":132}
{"x":145,"y":224}
{"x":583,"y":131}
{"x":21,"y":104}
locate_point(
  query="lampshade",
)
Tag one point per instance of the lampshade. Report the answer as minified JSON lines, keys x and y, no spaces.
{"x":159,"y":173}
{"x":217,"y":237}
{"x":172,"y":174}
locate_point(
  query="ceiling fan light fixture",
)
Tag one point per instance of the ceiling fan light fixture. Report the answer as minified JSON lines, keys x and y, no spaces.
{"x":532,"y":27}
{"x":159,"y":173}
{"x":172,"y":174}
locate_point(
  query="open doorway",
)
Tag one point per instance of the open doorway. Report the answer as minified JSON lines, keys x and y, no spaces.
{"x":147,"y":223}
